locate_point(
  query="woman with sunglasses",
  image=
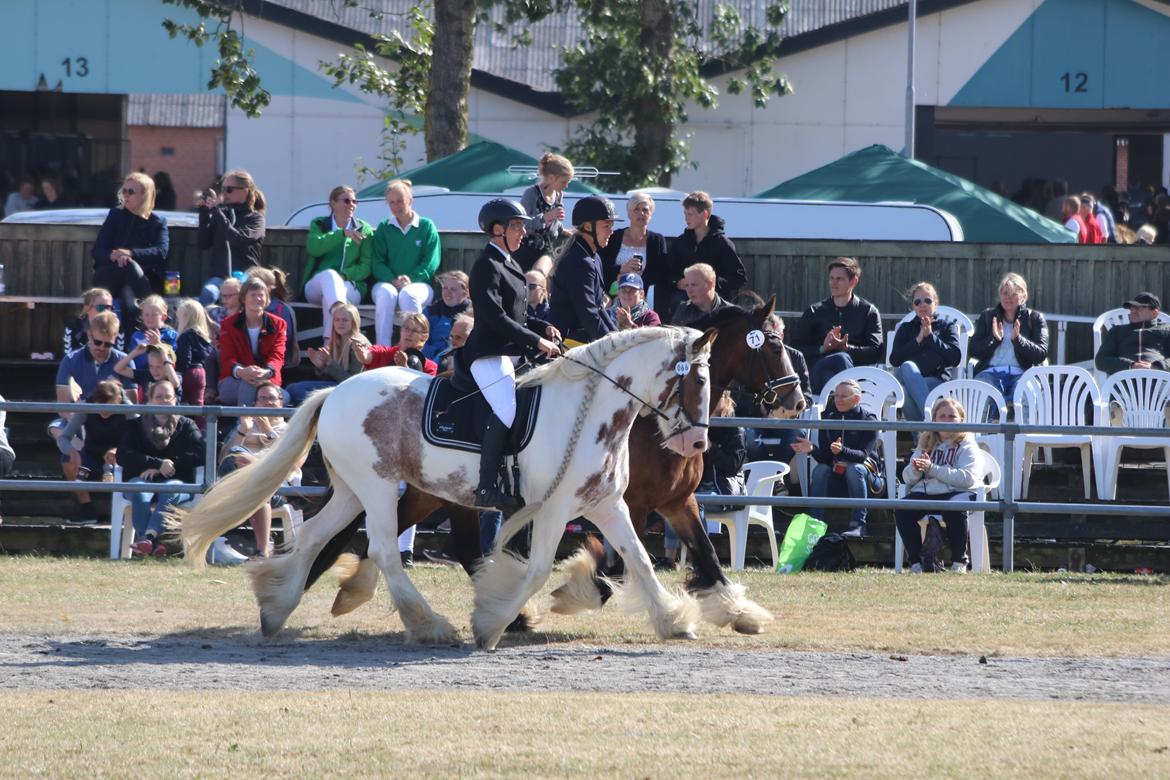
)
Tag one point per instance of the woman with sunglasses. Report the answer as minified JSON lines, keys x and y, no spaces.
{"x":406,"y":254}
{"x":231,"y":225}
{"x":926,"y":348}
{"x":340,"y":255}
{"x":130,"y":251}
{"x":93,"y":301}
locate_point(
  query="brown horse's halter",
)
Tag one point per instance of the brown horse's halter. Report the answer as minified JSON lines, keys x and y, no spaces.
{"x":769,"y":396}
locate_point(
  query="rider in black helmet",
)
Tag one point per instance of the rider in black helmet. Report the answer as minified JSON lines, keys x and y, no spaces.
{"x":499,"y":297}
{"x":576,"y":291}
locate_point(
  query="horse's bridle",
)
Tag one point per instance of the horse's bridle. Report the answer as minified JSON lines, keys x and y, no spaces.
{"x":768,"y":397}
{"x":677,"y":427}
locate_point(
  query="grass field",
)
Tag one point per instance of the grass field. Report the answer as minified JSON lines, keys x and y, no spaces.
{"x":486,"y":734}
{"x":1020,"y":614}
{"x":537,"y":734}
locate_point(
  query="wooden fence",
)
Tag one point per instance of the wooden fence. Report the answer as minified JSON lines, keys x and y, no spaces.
{"x":53,"y":261}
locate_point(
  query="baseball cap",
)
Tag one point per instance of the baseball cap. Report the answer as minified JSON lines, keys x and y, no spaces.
{"x":630,"y":280}
{"x":1144,"y":299}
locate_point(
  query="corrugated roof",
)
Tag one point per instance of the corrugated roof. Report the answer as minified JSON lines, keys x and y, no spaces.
{"x":200,"y":110}
{"x":534,"y":65}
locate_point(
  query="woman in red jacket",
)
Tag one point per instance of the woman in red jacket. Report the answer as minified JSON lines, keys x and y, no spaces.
{"x":251,"y":347}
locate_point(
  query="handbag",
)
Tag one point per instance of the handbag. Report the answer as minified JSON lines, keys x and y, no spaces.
{"x":875,"y":475}
{"x":799,"y":540}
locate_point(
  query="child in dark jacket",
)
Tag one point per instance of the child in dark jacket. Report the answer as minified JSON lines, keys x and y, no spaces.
{"x":841,"y":454}
{"x":192,"y":350}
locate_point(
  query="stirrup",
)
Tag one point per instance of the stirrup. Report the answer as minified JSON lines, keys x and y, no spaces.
{"x":495,"y":498}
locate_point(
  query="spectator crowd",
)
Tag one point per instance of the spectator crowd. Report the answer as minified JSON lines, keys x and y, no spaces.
{"x":237,"y":344}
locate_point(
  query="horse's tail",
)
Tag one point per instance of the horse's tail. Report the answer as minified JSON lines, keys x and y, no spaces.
{"x":245,"y":490}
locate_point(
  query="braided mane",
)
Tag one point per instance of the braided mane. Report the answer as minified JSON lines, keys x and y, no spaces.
{"x":602,"y":352}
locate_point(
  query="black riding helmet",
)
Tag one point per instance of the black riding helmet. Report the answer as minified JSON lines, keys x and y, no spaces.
{"x":499,"y":211}
{"x":593,"y":208}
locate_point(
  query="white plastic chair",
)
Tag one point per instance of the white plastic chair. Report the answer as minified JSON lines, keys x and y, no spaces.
{"x":958,"y":319}
{"x":984,"y":403}
{"x":760,"y":476}
{"x":1055,"y":395}
{"x":1105,"y":322}
{"x":881,"y":394}
{"x":1143,"y":396}
{"x":976,"y":526}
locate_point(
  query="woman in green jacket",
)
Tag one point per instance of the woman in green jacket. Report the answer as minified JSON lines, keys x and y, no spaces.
{"x":340,"y":249}
{"x":405,"y":258}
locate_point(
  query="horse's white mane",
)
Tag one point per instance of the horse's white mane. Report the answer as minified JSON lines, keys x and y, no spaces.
{"x":602,"y":352}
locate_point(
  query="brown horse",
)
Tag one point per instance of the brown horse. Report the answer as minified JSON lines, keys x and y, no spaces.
{"x":659,"y":480}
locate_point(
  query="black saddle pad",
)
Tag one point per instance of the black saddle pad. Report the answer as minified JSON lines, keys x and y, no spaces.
{"x":455,"y":416}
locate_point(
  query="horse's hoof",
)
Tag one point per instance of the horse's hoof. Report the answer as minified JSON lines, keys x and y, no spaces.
{"x":685,"y":634}
{"x":270,"y":624}
{"x":750,"y":628}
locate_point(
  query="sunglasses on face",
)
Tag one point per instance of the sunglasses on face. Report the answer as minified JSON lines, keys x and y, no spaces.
{"x":101,"y":344}
{"x":230,"y":188}
{"x":920,"y":301}
{"x":532,"y":286}
{"x":100,"y":307}
{"x":129,"y":191}
{"x":347,"y":201}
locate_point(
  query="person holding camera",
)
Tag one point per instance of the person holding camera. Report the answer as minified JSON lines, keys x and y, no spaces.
{"x":231,"y":225}
{"x":638,"y":250}
{"x":841,"y":454}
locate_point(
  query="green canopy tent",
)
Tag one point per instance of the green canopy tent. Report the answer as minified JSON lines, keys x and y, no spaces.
{"x":878,"y":174}
{"x":480,"y":167}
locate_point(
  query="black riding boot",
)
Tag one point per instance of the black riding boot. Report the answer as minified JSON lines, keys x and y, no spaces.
{"x":488,"y":494}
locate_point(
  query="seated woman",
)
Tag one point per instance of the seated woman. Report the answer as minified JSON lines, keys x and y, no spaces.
{"x":130,"y":251}
{"x":251,"y":347}
{"x":340,"y":256}
{"x":841,"y":454}
{"x":250,"y":437}
{"x":943,"y":466}
{"x":93,"y":301}
{"x":336,"y":361}
{"x":441,"y":315}
{"x":1009,"y":338}
{"x":278,"y":297}
{"x":407,"y":353}
{"x":406,"y":254}
{"x":158,"y":448}
{"x":925,"y":350}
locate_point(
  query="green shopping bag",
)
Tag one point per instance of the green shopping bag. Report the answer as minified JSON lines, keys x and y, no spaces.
{"x":799,"y":540}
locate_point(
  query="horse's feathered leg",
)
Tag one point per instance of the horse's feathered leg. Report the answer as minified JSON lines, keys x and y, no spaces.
{"x":504,"y":584}
{"x":279,"y":582}
{"x":673,"y":616}
{"x":423,"y":624}
{"x":722,"y":602}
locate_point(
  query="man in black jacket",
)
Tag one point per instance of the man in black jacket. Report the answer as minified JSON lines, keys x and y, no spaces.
{"x":577,"y":296}
{"x":840,"y":332}
{"x":702,"y":242}
{"x":1142,"y":343}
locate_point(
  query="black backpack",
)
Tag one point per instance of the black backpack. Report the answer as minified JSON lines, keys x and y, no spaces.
{"x":831,"y":554}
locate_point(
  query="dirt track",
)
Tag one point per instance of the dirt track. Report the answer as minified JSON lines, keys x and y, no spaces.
{"x":238,"y":661}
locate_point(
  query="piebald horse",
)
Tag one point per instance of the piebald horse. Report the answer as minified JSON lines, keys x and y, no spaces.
{"x":659,"y":479}
{"x":577,"y":463}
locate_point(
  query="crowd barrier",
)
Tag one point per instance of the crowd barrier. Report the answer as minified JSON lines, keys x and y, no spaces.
{"x":1008,"y":504}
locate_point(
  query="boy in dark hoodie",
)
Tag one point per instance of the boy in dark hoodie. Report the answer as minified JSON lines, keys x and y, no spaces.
{"x":702,"y":242}
{"x":841,"y":454}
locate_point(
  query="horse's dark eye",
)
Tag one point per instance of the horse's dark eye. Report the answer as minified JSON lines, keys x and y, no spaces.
{"x":702,"y":380}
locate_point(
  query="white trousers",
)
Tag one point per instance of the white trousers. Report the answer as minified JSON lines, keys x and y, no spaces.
{"x":327,"y":288}
{"x":388,"y":300}
{"x":496,"y":378}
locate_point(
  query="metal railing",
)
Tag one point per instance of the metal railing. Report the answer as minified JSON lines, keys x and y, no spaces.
{"x":212,"y":414}
{"x":1007,"y":504}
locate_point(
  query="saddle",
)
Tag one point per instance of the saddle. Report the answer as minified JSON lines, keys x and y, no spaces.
{"x":455,"y":414}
